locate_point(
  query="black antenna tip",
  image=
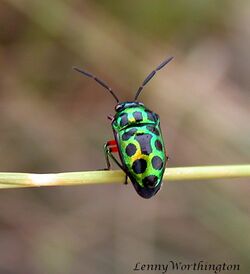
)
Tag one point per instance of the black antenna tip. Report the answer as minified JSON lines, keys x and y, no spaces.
{"x":82,"y":71}
{"x":76,"y":68}
{"x":151,"y":75}
{"x":163,"y":64}
{"x":99,"y":81}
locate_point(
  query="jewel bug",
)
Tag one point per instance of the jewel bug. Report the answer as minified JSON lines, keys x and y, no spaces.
{"x":137,"y":139}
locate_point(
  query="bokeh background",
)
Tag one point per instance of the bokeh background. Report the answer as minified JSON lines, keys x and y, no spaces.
{"x":53,"y":119}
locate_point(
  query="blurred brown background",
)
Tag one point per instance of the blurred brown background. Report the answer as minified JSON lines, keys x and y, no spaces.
{"x":53,"y":119}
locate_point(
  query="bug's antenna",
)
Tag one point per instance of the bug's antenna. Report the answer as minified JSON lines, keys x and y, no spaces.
{"x":150,"y":76}
{"x":99,"y":81}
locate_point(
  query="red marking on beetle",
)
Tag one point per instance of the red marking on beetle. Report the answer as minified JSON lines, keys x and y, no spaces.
{"x":112,"y":144}
{"x":114,"y":149}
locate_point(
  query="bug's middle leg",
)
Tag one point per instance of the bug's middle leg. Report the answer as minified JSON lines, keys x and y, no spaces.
{"x":110,"y":147}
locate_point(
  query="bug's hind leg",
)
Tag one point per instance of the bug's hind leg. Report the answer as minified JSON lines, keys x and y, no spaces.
{"x":126,"y":180}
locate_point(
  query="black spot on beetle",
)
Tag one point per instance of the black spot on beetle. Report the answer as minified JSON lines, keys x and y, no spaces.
{"x":153,"y":129}
{"x":128,"y":134}
{"x":124,"y":120}
{"x":151,"y":116}
{"x":130,"y":149}
{"x":150,"y":181}
{"x":158,"y":145}
{"x":139,"y":166}
{"x":138,"y":116}
{"x":144,"y":141}
{"x":157,"y":162}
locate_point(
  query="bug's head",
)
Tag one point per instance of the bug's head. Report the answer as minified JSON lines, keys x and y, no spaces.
{"x":124,"y":105}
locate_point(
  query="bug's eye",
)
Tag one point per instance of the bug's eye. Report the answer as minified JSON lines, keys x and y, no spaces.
{"x":118,"y":108}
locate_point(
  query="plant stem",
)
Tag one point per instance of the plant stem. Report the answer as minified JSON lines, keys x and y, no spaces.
{"x":16,"y":180}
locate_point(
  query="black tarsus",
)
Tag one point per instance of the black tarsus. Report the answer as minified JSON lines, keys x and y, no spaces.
{"x":99,"y":81}
{"x":151,"y":75}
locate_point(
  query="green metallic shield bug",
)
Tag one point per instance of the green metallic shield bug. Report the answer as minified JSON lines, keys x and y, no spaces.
{"x":138,"y":140}
{"x":138,"y":135}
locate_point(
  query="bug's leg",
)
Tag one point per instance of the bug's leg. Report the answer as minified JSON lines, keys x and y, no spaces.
{"x":167,"y":156}
{"x":109,"y":153}
{"x":105,"y":147}
{"x":109,"y":148}
{"x":126,"y":180}
{"x":111,"y":118}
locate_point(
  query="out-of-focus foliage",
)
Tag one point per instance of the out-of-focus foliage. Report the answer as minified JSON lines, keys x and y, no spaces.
{"x":165,"y":20}
{"x":52,"y":119}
